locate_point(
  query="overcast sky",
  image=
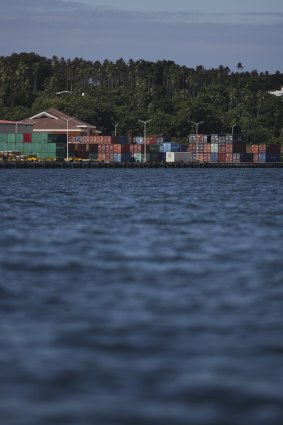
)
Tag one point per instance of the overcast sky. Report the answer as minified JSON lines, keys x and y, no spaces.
{"x":191,"y":33}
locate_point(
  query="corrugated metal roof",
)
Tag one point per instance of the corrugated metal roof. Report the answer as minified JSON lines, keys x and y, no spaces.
{"x":52,"y":120}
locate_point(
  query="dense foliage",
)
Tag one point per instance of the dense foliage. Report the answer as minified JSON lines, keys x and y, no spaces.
{"x":170,"y":95}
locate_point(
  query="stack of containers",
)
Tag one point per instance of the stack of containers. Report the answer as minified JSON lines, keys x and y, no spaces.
{"x":255,"y":153}
{"x":40,"y":146}
{"x":261,"y":152}
{"x":239,"y":149}
{"x":93,"y":152}
{"x":121,"y":153}
{"x":266,"y":153}
{"x":221,"y":149}
{"x":137,"y":151}
{"x":214,"y":152}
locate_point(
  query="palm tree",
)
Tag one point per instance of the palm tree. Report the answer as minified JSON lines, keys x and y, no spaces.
{"x":240,"y":66}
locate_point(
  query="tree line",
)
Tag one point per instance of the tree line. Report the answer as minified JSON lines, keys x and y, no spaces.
{"x":170,"y":95}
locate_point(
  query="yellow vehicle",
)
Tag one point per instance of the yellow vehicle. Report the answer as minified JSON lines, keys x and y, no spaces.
{"x":73,"y":159}
{"x":31,"y":158}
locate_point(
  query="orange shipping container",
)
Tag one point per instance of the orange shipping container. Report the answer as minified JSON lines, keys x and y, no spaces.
{"x":229,"y":148}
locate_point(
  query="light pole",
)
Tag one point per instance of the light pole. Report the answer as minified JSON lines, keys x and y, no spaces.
{"x":234,"y":125}
{"x":197,"y":124}
{"x":17,"y":122}
{"x":67,"y":120}
{"x":144,"y":138}
{"x":115,"y":132}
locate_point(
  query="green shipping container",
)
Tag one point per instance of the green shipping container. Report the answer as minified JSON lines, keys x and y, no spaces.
{"x":39,"y":138}
{"x":11,"y":137}
{"x":27,"y":148}
{"x":19,"y":138}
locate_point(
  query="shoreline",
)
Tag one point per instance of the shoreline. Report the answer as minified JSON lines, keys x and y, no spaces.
{"x":95,"y":164}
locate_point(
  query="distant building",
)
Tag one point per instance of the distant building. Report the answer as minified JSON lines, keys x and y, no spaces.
{"x":277,"y":92}
{"x":53,"y":121}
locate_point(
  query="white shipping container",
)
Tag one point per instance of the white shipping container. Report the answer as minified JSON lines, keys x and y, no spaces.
{"x":179,"y":157}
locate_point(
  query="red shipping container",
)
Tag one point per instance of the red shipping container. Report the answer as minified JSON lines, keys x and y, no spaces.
{"x":27,"y":137}
{"x":228,"y":157}
{"x":207,"y":148}
{"x":221,"y":157}
{"x":229,"y":148}
{"x":273,"y":148}
{"x":255,"y":157}
{"x":151,"y":140}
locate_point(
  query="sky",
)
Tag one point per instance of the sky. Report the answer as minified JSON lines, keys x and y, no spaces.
{"x":191,"y":33}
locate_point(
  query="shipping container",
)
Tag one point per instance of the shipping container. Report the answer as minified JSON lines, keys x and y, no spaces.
{"x":27,"y":138}
{"x":236,"y":157}
{"x":273,"y":148}
{"x":214,"y":138}
{"x":200,"y":147}
{"x":207,"y":148}
{"x":214,"y":157}
{"x":57,"y":138}
{"x":273,"y":157}
{"x":229,"y":148}
{"x":246,"y":157}
{"x":93,"y":156}
{"x":229,"y":138}
{"x":221,"y":157}
{"x":138,"y":140}
{"x":179,"y":157}
{"x":221,"y":148}
{"x":169,"y":147}
{"x":40,"y":137}
{"x":137,"y":157}
{"x":214,"y":147}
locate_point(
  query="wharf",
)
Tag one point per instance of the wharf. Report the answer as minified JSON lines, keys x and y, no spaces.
{"x":95,"y":164}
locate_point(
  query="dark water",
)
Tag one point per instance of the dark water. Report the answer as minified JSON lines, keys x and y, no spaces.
{"x":133,"y":297}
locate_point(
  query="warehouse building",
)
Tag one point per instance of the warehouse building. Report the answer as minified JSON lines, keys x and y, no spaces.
{"x":53,"y":121}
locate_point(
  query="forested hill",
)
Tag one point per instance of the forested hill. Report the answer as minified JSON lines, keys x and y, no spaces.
{"x":122,"y":92}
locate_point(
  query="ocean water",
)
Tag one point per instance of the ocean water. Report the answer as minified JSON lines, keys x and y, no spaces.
{"x":141,"y":296}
